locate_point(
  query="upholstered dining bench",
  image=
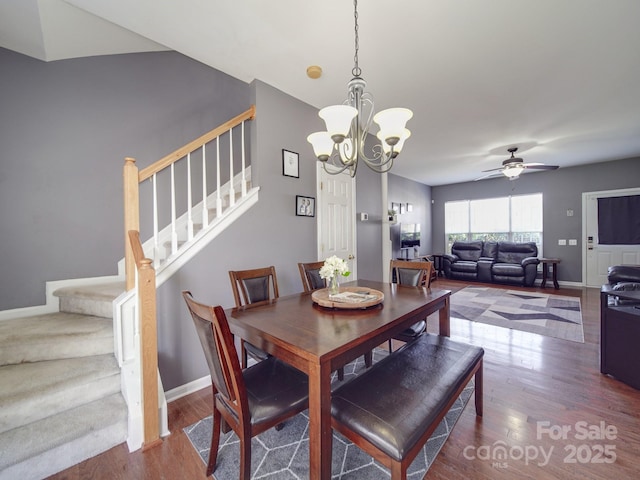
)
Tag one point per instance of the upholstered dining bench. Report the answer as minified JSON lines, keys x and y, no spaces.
{"x":391,"y":409}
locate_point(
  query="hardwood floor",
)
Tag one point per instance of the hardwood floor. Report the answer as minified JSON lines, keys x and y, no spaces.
{"x":528,"y":379}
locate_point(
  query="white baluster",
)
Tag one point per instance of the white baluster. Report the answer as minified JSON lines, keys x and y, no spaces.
{"x":156,"y":244}
{"x":244,"y":178}
{"x":189,"y":199}
{"x":218,"y":194}
{"x":174,"y":233}
{"x":232,"y":191}
{"x":205,"y":209}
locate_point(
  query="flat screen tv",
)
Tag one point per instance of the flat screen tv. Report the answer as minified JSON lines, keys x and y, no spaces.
{"x":409,"y":235}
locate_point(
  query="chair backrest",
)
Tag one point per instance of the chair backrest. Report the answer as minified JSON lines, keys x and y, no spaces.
{"x":254,"y":287}
{"x":310,"y":276}
{"x":219,"y":350}
{"x":413,"y":273}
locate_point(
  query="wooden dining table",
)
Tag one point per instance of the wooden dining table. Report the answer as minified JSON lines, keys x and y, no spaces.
{"x":318,"y":340}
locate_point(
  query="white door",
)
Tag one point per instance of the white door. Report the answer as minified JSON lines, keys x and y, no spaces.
{"x":336,"y":218}
{"x":598,"y":258}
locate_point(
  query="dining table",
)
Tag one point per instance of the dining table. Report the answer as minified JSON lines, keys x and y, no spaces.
{"x":318,"y":340}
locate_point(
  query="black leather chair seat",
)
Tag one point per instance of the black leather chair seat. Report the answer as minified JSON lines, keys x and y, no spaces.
{"x":394,"y":410}
{"x":412,"y":332}
{"x":273,"y":389}
{"x":465,"y":266}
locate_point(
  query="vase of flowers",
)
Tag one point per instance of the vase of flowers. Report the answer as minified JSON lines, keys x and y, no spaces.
{"x":334,"y":267}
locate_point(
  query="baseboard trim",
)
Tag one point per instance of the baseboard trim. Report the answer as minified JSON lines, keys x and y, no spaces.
{"x":187,"y":388}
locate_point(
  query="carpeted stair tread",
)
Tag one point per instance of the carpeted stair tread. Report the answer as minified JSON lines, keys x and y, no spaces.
{"x":90,"y":299}
{"x":32,"y":391}
{"x":55,"y":335}
{"x":50,"y":445}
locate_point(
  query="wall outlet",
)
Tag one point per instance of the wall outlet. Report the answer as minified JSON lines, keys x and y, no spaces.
{"x":562,"y":241}
{"x":573,"y":241}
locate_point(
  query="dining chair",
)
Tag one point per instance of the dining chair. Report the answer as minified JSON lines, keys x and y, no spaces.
{"x":310,"y":276}
{"x":415,"y":274}
{"x":311,"y":280}
{"x":252,"y":288}
{"x":249,"y":401}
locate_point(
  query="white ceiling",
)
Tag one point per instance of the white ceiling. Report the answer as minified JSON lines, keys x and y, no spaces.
{"x":561,"y":77}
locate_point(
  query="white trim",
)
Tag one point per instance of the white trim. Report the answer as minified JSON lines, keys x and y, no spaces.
{"x":187,"y":388}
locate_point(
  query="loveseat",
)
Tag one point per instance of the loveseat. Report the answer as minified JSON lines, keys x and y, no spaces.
{"x":493,"y":262}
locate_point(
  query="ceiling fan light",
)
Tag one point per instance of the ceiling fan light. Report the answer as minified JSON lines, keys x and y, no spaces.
{"x":322,"y":145}
{"x":392,"y":122}
{"x":513,"y":172}
{"x":338,"y":120}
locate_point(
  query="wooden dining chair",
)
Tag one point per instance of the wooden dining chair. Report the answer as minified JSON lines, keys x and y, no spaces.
{"x":252,"y":288}
{"x":310,"y":276}
{"x":252,"y":400}
{"x":311,"y":280}
{"x":415,"y":274}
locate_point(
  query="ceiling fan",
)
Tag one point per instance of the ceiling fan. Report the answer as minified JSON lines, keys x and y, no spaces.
{"x":512,"y":167}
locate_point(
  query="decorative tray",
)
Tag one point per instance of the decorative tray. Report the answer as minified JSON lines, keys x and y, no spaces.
{"x":349,"y":297}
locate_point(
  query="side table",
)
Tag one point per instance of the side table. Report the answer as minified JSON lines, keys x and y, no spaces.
{"x":554,"y":271}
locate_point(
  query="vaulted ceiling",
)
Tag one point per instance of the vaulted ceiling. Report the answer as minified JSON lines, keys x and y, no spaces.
{"x":558,"y":78}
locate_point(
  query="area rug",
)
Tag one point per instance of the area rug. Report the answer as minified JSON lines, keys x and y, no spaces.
{"x":550,"y":315}
{"x":284,"y":454}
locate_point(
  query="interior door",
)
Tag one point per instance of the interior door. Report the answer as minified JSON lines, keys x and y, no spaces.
{"x":336,"y":218}
{"x":598,"y":258}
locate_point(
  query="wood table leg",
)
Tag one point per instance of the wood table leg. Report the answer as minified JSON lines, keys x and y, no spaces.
{"x":545,"y":268}
{"x":320,"y":435}
{"x":445,"y":319}
{"x":554,"y":269}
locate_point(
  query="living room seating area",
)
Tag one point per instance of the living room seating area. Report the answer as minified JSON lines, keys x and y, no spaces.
{"x":493,"y":262}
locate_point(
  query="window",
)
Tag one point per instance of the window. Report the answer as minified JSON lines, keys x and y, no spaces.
{"x":515,"y":219}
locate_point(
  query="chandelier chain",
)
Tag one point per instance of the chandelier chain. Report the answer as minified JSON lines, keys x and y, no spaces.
{"x":356,"y":71}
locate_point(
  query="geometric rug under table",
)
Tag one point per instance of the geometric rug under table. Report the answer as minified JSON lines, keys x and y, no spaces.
{"x":557,"y":316}
{"x":284,"y":454}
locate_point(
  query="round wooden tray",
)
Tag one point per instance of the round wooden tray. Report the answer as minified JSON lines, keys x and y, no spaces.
{"x":321,"y":297}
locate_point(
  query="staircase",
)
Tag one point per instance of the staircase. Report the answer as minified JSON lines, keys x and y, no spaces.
{"x":60,"y":401}
{"x":73,"y":377}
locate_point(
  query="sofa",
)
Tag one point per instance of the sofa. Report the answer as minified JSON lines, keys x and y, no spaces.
{"x":622,"y":278}
{"x":493,"y":262}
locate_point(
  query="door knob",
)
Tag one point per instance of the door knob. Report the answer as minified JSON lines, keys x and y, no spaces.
{"x":351,"y":257}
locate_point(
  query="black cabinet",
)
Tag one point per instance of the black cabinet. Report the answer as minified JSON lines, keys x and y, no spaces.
{"x":620,"y":335}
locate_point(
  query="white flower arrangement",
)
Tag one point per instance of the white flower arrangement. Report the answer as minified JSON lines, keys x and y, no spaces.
{"x":333,"y":266}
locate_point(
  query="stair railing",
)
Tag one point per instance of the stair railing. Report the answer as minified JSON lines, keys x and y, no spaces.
{"x":133,"y":178}
{"x":141,"y":382}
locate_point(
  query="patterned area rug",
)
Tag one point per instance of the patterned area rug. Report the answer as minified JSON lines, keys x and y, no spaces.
{"x":285,"y":454}
{"x":550,"y":315}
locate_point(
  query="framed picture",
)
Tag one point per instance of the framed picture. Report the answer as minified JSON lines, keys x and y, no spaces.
{"x":290,"y":163}
{"x":403,"y":208}
{"x":409,"y":207}
{"x":305,"y":206}
{"x":395,"y":207}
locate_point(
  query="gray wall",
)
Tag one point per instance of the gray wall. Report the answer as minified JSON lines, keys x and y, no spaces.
{"x":65,"y":128}
{"x":562,"y":190}
{"x":269,"y":234}
{"x":403,"y":190}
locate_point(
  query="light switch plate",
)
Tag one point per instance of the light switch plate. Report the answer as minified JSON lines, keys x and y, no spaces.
{"x":573,"y":241}
{"x":562,"y":241}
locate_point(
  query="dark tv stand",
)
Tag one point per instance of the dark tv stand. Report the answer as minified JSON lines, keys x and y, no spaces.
{"x":620,"y":335}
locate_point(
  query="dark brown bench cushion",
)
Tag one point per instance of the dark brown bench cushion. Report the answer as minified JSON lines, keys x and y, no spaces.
{"x":393,"y":403}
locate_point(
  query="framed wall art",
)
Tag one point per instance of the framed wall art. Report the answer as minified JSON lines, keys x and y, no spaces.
{"x":290,"y":163}
{"x":305,"y":206}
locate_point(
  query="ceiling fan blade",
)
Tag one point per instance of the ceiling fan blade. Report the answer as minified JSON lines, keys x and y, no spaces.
{"x":493,"y":170}
{"x":533,"y":166}
{"x":491,"y":174}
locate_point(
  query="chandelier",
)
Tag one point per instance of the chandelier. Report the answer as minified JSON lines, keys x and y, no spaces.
{"x":343,"y":144}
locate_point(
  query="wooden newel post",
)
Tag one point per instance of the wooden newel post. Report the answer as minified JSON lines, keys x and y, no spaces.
{"x":131,"y":217}
{"x":149,"y":349}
